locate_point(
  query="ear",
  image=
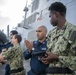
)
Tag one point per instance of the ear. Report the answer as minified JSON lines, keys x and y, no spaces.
{"x":16,"y":39}
{"x":56,"y":14}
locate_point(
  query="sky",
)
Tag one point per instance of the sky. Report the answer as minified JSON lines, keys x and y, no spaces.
{"x":11,"y":13}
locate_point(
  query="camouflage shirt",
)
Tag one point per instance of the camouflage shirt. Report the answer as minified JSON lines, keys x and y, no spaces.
{"x":58,"y":43}
{"x":15,"y":58}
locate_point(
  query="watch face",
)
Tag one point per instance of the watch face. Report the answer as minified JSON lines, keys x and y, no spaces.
{"x":33,"y":49}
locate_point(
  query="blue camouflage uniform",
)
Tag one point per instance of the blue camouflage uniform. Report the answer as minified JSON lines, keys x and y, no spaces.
{"x":37,"y":67}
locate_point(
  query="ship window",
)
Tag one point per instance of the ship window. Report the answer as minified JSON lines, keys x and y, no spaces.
{"x":35,"y":5}
{"x":30,"y":19}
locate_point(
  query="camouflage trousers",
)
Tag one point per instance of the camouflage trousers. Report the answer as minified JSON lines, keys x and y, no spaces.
{"x":19,"y":73}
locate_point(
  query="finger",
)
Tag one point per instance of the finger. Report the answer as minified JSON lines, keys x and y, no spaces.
{"x":45,"y":62}
{"x":31,"y":43}
{"x":27,"y":42}
{"x":48,"y":53}
{"x":43,"y":59}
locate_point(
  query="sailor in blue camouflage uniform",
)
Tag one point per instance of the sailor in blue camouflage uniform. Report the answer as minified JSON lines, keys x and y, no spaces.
{"x":37,"y":66}
{"x":61,"y":43}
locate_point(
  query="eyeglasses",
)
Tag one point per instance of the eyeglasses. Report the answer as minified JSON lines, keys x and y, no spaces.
{"x":38,"y":31}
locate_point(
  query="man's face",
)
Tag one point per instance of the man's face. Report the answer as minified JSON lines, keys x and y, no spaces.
{"x":54,"y":18}
{"x":40,"y":33}
{"x":11,"y":35}
{"x":13,"y":40}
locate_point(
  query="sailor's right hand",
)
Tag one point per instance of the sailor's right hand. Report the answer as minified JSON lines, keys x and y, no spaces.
{"x":29,"y":45}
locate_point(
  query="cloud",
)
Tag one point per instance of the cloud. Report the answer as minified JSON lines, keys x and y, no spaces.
{"x":3,"y":2}
{"x":12,"y":12}
{"x":4,"y":21}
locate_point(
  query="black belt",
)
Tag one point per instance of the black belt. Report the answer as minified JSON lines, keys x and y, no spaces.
{"x":16,"y":70}
{"x":58,"y":70}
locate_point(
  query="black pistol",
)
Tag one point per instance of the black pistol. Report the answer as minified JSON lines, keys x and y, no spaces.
{"x":40,"y":53}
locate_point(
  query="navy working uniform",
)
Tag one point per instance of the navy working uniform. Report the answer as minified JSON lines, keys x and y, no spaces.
{"x":37,"y":67}
{"x":7,"y":45}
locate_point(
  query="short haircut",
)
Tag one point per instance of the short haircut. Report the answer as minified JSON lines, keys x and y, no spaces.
{"x":14,"y":32}
{"x":18,"y":37}
{"x":44,"y":27}
{"x":59,"y":7}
